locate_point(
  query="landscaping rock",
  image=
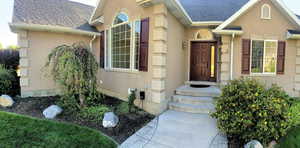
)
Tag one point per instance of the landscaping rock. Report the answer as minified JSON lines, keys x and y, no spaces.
{"x":272,"y":144}
{"x":52,"y":111}
{"x":110,"y":120}
{"x":253,"y":144}
{"x":6,"y":101}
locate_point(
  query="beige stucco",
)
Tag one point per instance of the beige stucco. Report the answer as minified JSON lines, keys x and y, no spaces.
{"x":39,"y":46}
{"x":274,"y":29}
{"x":168,"y":57}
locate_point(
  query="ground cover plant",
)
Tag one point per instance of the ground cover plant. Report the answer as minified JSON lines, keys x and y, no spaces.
{"x":26,"y":132}
{"x":247,"y":110}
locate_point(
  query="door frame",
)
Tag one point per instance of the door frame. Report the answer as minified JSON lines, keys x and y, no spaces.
{"x":216,"y":56}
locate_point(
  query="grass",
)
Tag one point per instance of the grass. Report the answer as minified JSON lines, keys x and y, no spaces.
{"x":27,"y":132}
{"x":291,"y":140}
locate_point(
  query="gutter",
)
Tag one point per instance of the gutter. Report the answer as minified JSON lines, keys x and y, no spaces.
{"x":228,"y":32}
{"x":91,"y":42}
{"x":207,"y":23}
{"x":49,"y":28}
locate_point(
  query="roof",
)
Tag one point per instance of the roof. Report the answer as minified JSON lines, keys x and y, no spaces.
{"x":211,"y":10}
{"x":61,"y":13}
{"x":294,"y":31}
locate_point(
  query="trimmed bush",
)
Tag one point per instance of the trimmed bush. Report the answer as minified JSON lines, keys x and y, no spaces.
{"x":6,"y":80}
{"x":247,"y":110}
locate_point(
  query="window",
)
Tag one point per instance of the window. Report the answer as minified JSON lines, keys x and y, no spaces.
{"x":266,"y":12}
{"x":263,"y":56}
{"x":122,"y":43}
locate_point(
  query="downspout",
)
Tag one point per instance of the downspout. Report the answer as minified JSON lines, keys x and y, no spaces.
{"x":231,"y":56}
{"x":91,"y":42}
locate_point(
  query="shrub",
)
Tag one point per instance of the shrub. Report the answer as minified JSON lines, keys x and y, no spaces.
{"x":122,"y":108}
{"x":131,"y":99}
{"x":294,"y":113}
{"x":94,"y":114}
{"x":291,"y":140}
{"x":9,"y":58}
{"x":6,"y":80}
{"x":246,"y":110}
{"x":74,"y":68}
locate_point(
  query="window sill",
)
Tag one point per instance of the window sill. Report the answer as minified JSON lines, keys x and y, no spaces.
{"x":262,"y":75}
{"x":121,"y":70}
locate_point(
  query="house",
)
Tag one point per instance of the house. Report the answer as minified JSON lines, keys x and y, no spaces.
{"x":158,"y":46}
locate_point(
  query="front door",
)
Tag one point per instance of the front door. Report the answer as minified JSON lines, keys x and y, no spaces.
{"x":203,"y":61}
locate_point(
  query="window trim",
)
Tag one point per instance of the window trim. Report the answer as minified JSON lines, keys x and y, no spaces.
{"x":262,"y":12}
{"x":263,"y":73}
{"x":108,"y":51}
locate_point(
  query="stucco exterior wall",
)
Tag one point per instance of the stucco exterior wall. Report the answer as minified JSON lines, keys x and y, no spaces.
{"x":36,"y":82}
{"x":117,"y":83}
{"x":176,"y":57}
{"x":274,"y":29}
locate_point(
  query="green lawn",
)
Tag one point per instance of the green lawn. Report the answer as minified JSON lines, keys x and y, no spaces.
{"x":17,"y":131}
{"x":291,"y":140}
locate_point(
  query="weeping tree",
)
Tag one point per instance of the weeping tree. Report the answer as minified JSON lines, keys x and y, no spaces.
{"x":74,"y":69}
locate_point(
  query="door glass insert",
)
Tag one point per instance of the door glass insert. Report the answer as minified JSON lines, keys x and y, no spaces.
{"x":212,"y":61}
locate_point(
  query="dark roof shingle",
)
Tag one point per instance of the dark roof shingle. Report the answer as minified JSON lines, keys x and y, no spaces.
{"x":53,"y":12}
{"x":211,"y":10}
{"x":294,"y":31}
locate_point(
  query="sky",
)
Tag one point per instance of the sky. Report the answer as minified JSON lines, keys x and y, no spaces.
{"x":6,"y":7}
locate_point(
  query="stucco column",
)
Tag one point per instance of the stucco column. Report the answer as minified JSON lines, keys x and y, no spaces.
{"x":159,"y":54}
{"x":297,"y":76}
{"x":225,"y":59}
{"x":23,"y":43}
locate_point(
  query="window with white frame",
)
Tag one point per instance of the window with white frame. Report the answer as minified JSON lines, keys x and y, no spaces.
{"x":266,"y":11}
{"x":122,"y":43}
{"x":263,"y":56}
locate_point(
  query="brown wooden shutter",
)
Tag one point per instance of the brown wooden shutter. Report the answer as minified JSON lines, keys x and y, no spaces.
{"x":144,"y":45}
{"x":246,"y":56}
{"x":102,"y":48}
{"x":281,"y":57}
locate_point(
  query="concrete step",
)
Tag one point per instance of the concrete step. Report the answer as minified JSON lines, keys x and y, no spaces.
{"x":200,"y":83}
{"x":204,"y":108}
{"x":191,"y":99}
{"x":186,"y":90}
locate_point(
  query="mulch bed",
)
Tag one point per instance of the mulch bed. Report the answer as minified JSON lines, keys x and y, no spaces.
{"x":128,"y":125}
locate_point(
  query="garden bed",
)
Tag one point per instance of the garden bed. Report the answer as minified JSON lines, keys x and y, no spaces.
{"x":128,"y":125}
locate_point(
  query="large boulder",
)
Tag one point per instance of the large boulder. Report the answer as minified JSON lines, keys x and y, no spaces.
{"x":110,"y":120}
{"x":52,"y":111}
{"x":253,"y":144}
{"x":6,"y":101}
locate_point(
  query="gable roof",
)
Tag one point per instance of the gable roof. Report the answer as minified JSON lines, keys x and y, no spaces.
{"x":211,"y":10}
{"x":291,"y":16}
{"x":54,"y":13}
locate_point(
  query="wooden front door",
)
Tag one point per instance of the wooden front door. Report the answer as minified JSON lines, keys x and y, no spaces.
{"x":203,"y":61}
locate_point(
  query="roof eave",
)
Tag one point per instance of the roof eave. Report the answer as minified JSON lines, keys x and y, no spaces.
{"x":48,"y":28}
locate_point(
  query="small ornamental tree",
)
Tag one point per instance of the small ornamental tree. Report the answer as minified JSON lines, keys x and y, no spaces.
{"x":74,"y":68}
{"x":247,"y":110}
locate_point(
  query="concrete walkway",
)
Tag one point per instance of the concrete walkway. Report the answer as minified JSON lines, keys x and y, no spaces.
{"x":174,"y":129}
